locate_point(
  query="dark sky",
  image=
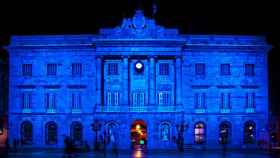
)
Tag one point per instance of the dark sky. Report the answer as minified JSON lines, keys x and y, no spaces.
{"x":191,"y":17}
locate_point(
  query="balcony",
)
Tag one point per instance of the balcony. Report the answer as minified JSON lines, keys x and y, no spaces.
{"x":225,"y":110}
{"x":250,"y":110}
{"x":26,"y":110}
{"x":142,"y":108}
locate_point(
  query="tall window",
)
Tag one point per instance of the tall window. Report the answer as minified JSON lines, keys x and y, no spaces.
{"x":113,"y":98}
{"x":26,"y":132}
{"x":138,"y":99}
{"x":26,"y":99}
{"x":250,"y":100}
{"x":200,"y":69}
{"x":249,"y":132}
{"x":76,"y":101}
{"x":249,"y":70}
{"x":165,"y":132}
{"x":77,"y":69}
{"x":164,"y":98}
{"x":225,"y":100}
{"x":50,"y":101}
{"x":51,"y":133}
{"x":77,"y":132}
{"x":225,"y":69}
{"x":112,"y":130}
{"x":225,"y":132}
{"x":199,"y":133}
{"x":27,"y":69}
{"x":51,"y":69}
{"x":163,"y":69}
{"x":113,"y":69}
{"x":200,"y":100}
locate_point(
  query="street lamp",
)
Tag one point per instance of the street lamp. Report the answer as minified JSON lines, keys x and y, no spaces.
{"x":96,"y":126}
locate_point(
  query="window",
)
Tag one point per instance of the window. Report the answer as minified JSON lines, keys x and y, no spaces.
{"x":138,"y":99}
{"x":76,"y":101}
{"x":250,"y":100}
{"x":164,"y":98}
{"x":113,"y":98}
{"x":225,"y":69}
{"x":225,"y":101}
{"x":77,"y":132}
{"x":225,"y":132}
{"x":112,"y":130}
{"x":163,"y":69}
{"x":51,"y":133}
{"x":26,"y":132}
{"x":199,"y":133}
{"x":26,"y":100}
{"x":200,"y":69}
{"x":50,"y":101}
{"x":199,"y":99}
{"x":27,"y":69}
{"x":249,"y":132}
{"x":76,"y":69}
{"x":249,"y":70}
{"x":113,"y":69}
{"x":51,"y":69}
{"x":164,"y":132}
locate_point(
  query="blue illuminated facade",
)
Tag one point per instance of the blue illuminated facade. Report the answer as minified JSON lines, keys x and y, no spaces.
{"x":216,"y":86}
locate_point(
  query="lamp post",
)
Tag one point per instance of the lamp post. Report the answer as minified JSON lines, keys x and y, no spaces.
{"x":96,"y":126}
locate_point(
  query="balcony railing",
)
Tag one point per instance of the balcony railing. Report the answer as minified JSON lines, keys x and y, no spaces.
{"x":143,"y":108}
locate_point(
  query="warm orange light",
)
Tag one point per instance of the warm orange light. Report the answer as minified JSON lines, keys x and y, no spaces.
{"x":138,"y":127}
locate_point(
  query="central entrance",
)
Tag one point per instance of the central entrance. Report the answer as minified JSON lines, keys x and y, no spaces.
{"x":138,"y":134}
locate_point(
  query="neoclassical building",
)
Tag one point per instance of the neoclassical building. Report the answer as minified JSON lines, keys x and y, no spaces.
{"x":139,"y":84}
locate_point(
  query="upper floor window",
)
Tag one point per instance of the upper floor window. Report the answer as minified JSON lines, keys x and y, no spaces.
{"x":76,"y":101}
{"x":27,"y":69}
{"x":50,"y":101}
{"x":26,"y":99}
{"x":76,"y":69}
{"x":113,"y":98}
{"x":200,"y":69}
{"x":51,"y":69}
{"x":164,"y":98}
{"x":249,"y":70}
{"x":163,"y":69}
{"x":225,"y":100}
{"x":113,"y":69}
{"x":138,"y":98}
{"x":250,"y":100}
{"x":200,"y":102}
{"x":225,"y":69}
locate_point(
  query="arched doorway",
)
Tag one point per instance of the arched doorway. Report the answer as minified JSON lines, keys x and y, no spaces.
{"x":138,"y":134}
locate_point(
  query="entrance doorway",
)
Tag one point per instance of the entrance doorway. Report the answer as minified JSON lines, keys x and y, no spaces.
{"x":138,"y":134}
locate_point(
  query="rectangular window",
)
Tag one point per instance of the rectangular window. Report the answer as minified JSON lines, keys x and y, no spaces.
{"x":27,"y":69}
{"x":26,"y":100}
{"x":225,"y":69}
{"x":163,"y":69}
{"x":51,"y":69}
{"x":113,"y":69}
{"x":113,"y":98}
{"x":164,"y":98}
{"x":225,"y":100}
{"x":250,"y":100}
{"x":138,"y":99}
{"x":249,"y":70}
{"x":200,"y":69}
{"x":76,"y":101}
{"x":76,"y":69}
{"x":200,"y":100}
{"x":50,"y":101}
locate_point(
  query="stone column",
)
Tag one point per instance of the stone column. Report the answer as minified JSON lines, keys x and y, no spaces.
{"x":125,"y":82}
{"x":98,"y":81}
{"x":178,"y":69}
{"x":152,"y":81}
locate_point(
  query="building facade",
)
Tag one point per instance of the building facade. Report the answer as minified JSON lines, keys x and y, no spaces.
{"x":139,"y":84}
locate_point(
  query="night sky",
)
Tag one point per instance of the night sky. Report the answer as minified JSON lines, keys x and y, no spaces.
{"x":201,"y":17}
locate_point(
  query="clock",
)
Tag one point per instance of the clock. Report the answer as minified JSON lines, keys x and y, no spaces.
{"x":139,"y":66}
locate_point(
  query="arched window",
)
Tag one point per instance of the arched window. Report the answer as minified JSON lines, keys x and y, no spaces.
{"x":225,"y":132}
{"x":249,"y":132}
{"x":112,"y":130}
{"x":165,"y":131}
{"x":77,"y":132}
{"x":199,"y":133}
{"x":26,"y":132}
{"x":51,"y":133}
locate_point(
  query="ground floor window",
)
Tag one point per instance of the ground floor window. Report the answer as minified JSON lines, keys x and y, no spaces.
{"x":165,"y":131}
{"x":77,"y":132}
{"x":249,"y":132}
{"x":199,"y":133}
{"x":51,"y":133}
{"x":26,"y":132}
{"x":225,"y":132}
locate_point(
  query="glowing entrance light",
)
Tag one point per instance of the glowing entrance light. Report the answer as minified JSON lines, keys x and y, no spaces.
{"x":139,"y":66}
{"x":138,"y":127}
